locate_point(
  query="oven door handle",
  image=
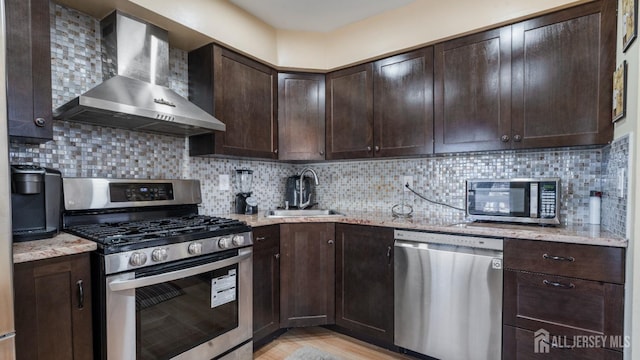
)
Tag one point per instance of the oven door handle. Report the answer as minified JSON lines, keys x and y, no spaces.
{"x":121,"y":285}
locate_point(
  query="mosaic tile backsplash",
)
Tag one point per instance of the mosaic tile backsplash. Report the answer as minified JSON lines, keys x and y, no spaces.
{"x":90,"y":151}
{"x":377,"y":185}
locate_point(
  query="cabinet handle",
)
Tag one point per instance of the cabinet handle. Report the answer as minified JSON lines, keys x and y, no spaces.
{"x":277,"y":256}
{"x":80,"y":286}
{"x":260,"y":238}
{"x":558,"y":284}
{"x":275,"y":151}
{"x":321,"y":152}
{"x":389,"y":255}
{"x":517,"y":138}
{"x":504,"y":138}
{"x":369,"y":148}
{"x":40,"y":122}
{"x":558,"y":258}
{"x":330,"y":242}
{"x":377,"y":148}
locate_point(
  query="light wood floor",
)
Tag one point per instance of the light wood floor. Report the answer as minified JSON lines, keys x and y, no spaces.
{"x":340,"y":345}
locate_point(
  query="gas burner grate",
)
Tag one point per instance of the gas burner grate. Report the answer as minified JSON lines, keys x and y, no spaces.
{"x":113,"y":233}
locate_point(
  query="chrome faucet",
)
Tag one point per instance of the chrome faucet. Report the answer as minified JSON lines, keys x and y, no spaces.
{"x":315,"y":177}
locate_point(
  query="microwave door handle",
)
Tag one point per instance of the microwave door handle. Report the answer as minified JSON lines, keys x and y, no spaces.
{"x":121,"y":285}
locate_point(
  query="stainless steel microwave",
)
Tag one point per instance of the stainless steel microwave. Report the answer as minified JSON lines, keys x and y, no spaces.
{"x":531,"y":201}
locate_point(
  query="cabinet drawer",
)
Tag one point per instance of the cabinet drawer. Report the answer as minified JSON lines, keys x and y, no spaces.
{"x":519,"y":344}
{"x":265,"y":237}
{"x":564,"y":306}
{"x":601,"y":263}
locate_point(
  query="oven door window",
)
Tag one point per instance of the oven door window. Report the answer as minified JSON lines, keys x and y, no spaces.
{"x":175,"y":316}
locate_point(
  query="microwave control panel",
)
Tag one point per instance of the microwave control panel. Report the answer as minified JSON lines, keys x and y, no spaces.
{"x":548,"y":199}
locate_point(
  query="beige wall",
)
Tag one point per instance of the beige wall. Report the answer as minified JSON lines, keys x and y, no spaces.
{"x":420,"y":22}
{"x":630,"y":125}
{"x":221,"y":21}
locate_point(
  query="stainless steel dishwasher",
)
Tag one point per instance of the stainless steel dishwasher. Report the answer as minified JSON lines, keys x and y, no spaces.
{"x":448,"y":295}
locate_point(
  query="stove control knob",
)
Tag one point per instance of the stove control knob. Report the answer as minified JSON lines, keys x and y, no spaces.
{"x":224,"y":243}
{"x":138,"y":259}
{"x":159,"y":254}
{"x":238,"y":240}
{"x":195,"y":248}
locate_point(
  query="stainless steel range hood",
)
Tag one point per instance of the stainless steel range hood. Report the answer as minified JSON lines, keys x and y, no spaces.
{"x":135,"y":94}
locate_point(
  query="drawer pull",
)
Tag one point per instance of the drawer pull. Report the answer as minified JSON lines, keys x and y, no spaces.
{"x":558,"y":258}
{"x":558,"y":284}
{"x":80,"y":285}
{"x":260,"y":238}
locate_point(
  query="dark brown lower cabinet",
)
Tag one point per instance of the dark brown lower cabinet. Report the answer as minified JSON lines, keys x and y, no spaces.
{"x":520,"y":344}
{"x":53,"y":308}
{"x":364,"y":281}
{"x":562,"y":305}
{"x":556,"y":304}
{"x":307,"y":274}
{"x":266,"y":282}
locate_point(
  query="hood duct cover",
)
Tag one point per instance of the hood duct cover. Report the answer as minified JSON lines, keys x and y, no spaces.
{"x":134,"y":94}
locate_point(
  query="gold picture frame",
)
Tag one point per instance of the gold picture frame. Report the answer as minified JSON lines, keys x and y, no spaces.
{"x":619,"y":92}
{"x":629,"y":22}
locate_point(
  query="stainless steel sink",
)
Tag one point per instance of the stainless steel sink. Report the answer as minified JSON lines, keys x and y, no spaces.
{"x":302,"y":213}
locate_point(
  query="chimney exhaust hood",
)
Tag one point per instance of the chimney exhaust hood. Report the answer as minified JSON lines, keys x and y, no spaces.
{"x":134,"y":94}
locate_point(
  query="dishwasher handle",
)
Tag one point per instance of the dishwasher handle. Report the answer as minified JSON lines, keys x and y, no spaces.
{"x":434,"y":247}
{"x":454,"y":240}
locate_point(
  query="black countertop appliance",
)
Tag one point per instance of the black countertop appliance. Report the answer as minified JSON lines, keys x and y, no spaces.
{"x":36,"y":194}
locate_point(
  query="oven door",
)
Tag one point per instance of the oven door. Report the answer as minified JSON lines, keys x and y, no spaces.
{"x":196,"y":308}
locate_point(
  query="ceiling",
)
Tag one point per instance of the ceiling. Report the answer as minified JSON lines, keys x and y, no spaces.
{"x":314,"y":15}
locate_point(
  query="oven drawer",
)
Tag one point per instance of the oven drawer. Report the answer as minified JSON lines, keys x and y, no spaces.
{"x":522,"y":347}
{"x":601,"y":263}
{"x":561,"y":305}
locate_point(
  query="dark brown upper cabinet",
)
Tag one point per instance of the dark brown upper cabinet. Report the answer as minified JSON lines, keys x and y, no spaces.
{"x":562,"y":77}
{"x":473,"y":92}
{"x":301,"y":116}
{"x":28,"y":46}
{"x":240,"y":92}
{"x":403,"y":104}
{"x":381,"y":109}
{"x":350,"y":113}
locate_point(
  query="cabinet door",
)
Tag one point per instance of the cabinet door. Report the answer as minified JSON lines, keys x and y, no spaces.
{"x":307,"y":274}
{"x":266,"y":281}
{"x":350,"y":113}
{"x":364,"y":280}
{"x":562,"y":77}
{"x":473,"y":92}
{"x":403,"y":104}
{"x":29,"y":70}
{"x":53,"y":309}
{"x":241,"y":93}
{"x":301,"y":119}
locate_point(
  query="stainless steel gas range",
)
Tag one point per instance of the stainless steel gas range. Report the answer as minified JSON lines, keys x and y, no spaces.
{"x":168,"y":283}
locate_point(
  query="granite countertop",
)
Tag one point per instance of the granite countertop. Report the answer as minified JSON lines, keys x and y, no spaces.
{"x":67,"y":244}
{"x":579,"y":234}
{"x":60,"y":245}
